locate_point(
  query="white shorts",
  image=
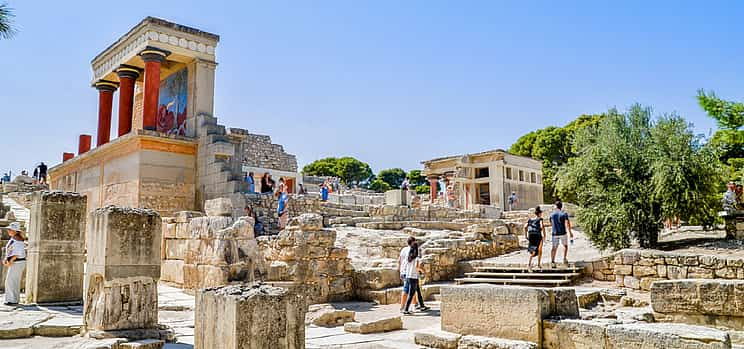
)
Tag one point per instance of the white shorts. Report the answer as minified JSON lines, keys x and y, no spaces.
{"x":557,"y":239}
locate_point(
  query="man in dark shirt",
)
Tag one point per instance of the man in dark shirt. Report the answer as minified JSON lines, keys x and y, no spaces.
{"x":42,"y":173}
{"x":561,"y":224}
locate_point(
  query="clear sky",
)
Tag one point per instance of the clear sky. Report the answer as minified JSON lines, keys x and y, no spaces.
{"x":389,"y":82}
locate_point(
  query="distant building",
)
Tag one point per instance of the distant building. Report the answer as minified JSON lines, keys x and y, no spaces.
{"x":488,"y":178}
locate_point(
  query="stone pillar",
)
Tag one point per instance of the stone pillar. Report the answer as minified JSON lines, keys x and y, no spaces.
{"x":242,"y":316}
{"x":152,"y":57}
{"x":67,"y":156}
{"x":84,"y":144}
{"x":105,"y":104}
{"x":127,"y":76}
{"x":122,"y":269}
{"x":433,"y":181}
{"x":56,"y":251}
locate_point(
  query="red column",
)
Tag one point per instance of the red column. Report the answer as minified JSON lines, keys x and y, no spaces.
{"x":127,"y":76}
{"x":67,"y":156}
{"x":152,"y":58}
{"x":433,"y":183}
{"x":105,"y":104}
{"x":84,"y":144}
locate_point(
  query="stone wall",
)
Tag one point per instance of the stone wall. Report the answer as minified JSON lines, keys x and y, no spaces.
{"x":718,"y":303}
{"x":208,"y":251}
{"x":638,"y":269}
{"x":258,"y":151}
{"x":734,"y":224}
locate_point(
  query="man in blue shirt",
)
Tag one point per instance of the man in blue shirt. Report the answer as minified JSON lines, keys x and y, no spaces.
{"x":561,"y":224}
{"x":251,"y":182}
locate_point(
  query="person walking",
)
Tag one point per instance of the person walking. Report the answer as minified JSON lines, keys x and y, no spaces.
{"x":42,"y":173}
{"x":535,"y":234}
{"x":561,"y":224}
{"x":251,"y":182}
{"x":450,"y":197}
{"x":413,"y":268}
{"x":729,"y":197}
{"x":15,"y":261}
{"x":324,"y":190}
{"x":513,"y":201}
{"x":281,"y":209}
{"x":402,"y":265}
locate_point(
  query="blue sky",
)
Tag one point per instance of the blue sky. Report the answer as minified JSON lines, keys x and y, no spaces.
{"x":389,"y":82}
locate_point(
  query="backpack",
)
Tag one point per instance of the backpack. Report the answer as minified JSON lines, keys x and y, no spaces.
{"x":534,"y":226}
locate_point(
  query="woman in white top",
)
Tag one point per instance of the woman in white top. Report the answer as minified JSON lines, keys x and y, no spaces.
{"x":15,"y":261}
{"x":413,"y":266}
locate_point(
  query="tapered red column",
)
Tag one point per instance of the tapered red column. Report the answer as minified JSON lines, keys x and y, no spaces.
{"x":67,"y":156}
{"x":152,"y":57}
{"x":84,"y":144}
{"x":105,"y":104}
{"x":433,"y":181}
{"x":127,"y":76}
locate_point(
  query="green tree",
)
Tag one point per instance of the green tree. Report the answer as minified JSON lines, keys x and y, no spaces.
{"x":6,"y":22}
{"x":631,"y":173}
{"x":415,"y":178}
{"x":729,"y":139}
{"x":392,"y":176}
{"x":379,"y":185}
{"x":322,"y":167}
{"x":352,"y":171}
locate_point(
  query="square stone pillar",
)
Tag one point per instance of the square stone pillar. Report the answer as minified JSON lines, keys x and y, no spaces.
{"x":242,"y":316}
{"x":56,"y":250}
{"x":122,"y":269}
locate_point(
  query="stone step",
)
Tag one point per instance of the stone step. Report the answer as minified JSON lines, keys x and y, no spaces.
{"x":522,"y":275}
{"x":339,"y":212}
{"x":523,"y":269}
{"x":532,"y":282}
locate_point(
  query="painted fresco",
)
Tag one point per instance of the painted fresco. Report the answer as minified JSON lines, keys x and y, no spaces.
{"x":172,"y":103}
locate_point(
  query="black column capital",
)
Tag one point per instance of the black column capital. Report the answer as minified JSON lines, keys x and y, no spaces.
{"x":151,"y":53}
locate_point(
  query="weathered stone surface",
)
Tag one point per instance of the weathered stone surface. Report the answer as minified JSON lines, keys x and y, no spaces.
{"x":511,"y":312}
{"x":327,"y":315}
{"x":122,"y":269}
{"x":59,"y":326}
{"x":574,"y":334}
{"x":375,"y":326}
{"x":20,"y":324}
{"x":307,"y":222}
{"x":478,"y":342}
{"x":236,"y":317}
{"x":218,"y":207}
{"x":665,"y":336}
{"x":694,"y":296}
{"x":54,"y":271}
{"x":143,"y":344}
{"x":433,"y":338}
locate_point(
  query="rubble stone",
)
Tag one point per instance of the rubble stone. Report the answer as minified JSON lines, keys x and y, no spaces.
{"x":375,"y":326}
{"x":433,"y":338}
{"x":479,"y":342}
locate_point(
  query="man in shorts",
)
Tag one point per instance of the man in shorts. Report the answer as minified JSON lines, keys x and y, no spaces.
{"x":402,"y":264}
{"x":561,"y":224}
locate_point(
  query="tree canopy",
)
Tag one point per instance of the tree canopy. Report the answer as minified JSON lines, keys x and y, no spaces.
{"x":348,"y":169}
{"x":729,"y":139}
{"x":630,"y":173}
{"x":394,"y":177}
{"x":6,"y":22}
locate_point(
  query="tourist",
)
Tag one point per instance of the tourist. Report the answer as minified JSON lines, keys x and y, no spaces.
{"x":402,"y":263}
{"x":302,"y":190}
{"x":561,"y":224}
{"x":281,"y":185}
{"x":729,"y":198}
{"x":513,"y":201}
{"x":15,"y":261}
{"x":413,"y":268}
{"x":324,"y":190}
{"x":6,"y":178}
{"x":42,"y":173}
{"x":739,"y":191}
{"x":257,"y":226}
{"x":282,"y":210}
{"x":535,"y":234}
{"x":266,"y":184}
{"x":36,"y":174}
{"x":405,"y":184}
{"x":251,"y":182}
{"x":272,"y":184}
{"x":450,"y":197}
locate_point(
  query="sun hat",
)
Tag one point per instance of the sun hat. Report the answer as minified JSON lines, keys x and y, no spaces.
{"x":15,"y":226}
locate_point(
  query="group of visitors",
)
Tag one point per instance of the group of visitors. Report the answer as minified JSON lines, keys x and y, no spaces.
{"x":409,"y":267}
{"x":15,"y":260}
{"x":535,"y":234}
{"x":325,"y":188}
{"x":733,"y":199}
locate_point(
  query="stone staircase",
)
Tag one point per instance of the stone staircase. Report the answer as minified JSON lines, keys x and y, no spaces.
{"x":520,"y":275}
{"x":21,"y":213}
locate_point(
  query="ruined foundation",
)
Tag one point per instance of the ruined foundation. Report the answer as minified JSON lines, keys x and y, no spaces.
{"x":56,"y":248}
{"x":123,"y":268}
{"x":248,"y":317}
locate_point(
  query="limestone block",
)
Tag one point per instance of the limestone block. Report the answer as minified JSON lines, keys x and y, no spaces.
{"x":632,"y":282}
{"x":202,"y":276}
{"x":172,"y":271}
{"x":676,"y":272}
{"x":143,"y":344}
{"x":207,"y":227}
{"x":574,"y":334}
{"x":54,"y":270}
{"x":665,"y":336}
{"x":260,"y":316}
{"x":396,"y":197}
{"x":307,"y":222}
{"x":433,"y":338}
{"x":327,"y":315}
{"x":375,"y":326}
{"x":186,"y":216}
{"x":564,"y":302}
{"x":218,"y":207}
{"x":640,"y":271}
{"x":699,"y":273}
{"x":695,"y":296}
{"x":376,"y":278}
{"x":645,"y":283}
{"x":120,"y":304}
{"x":478,"y":342}
{"x":176,"y":248}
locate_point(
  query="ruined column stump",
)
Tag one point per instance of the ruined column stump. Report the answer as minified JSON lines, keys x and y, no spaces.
{"x":249,"y":317}
{"x":56,"y":250}
{"x":123,"y":268}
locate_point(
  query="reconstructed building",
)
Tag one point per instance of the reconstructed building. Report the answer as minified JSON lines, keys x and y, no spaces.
{"x":488,"y":178}
{"x":170,"y":153}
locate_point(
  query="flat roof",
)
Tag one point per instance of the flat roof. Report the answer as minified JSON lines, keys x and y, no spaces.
{"x":476,"y":154}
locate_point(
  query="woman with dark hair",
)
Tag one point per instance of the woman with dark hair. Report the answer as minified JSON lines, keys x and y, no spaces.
{"x":413,"y":267}
{"x":535,"y":234}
